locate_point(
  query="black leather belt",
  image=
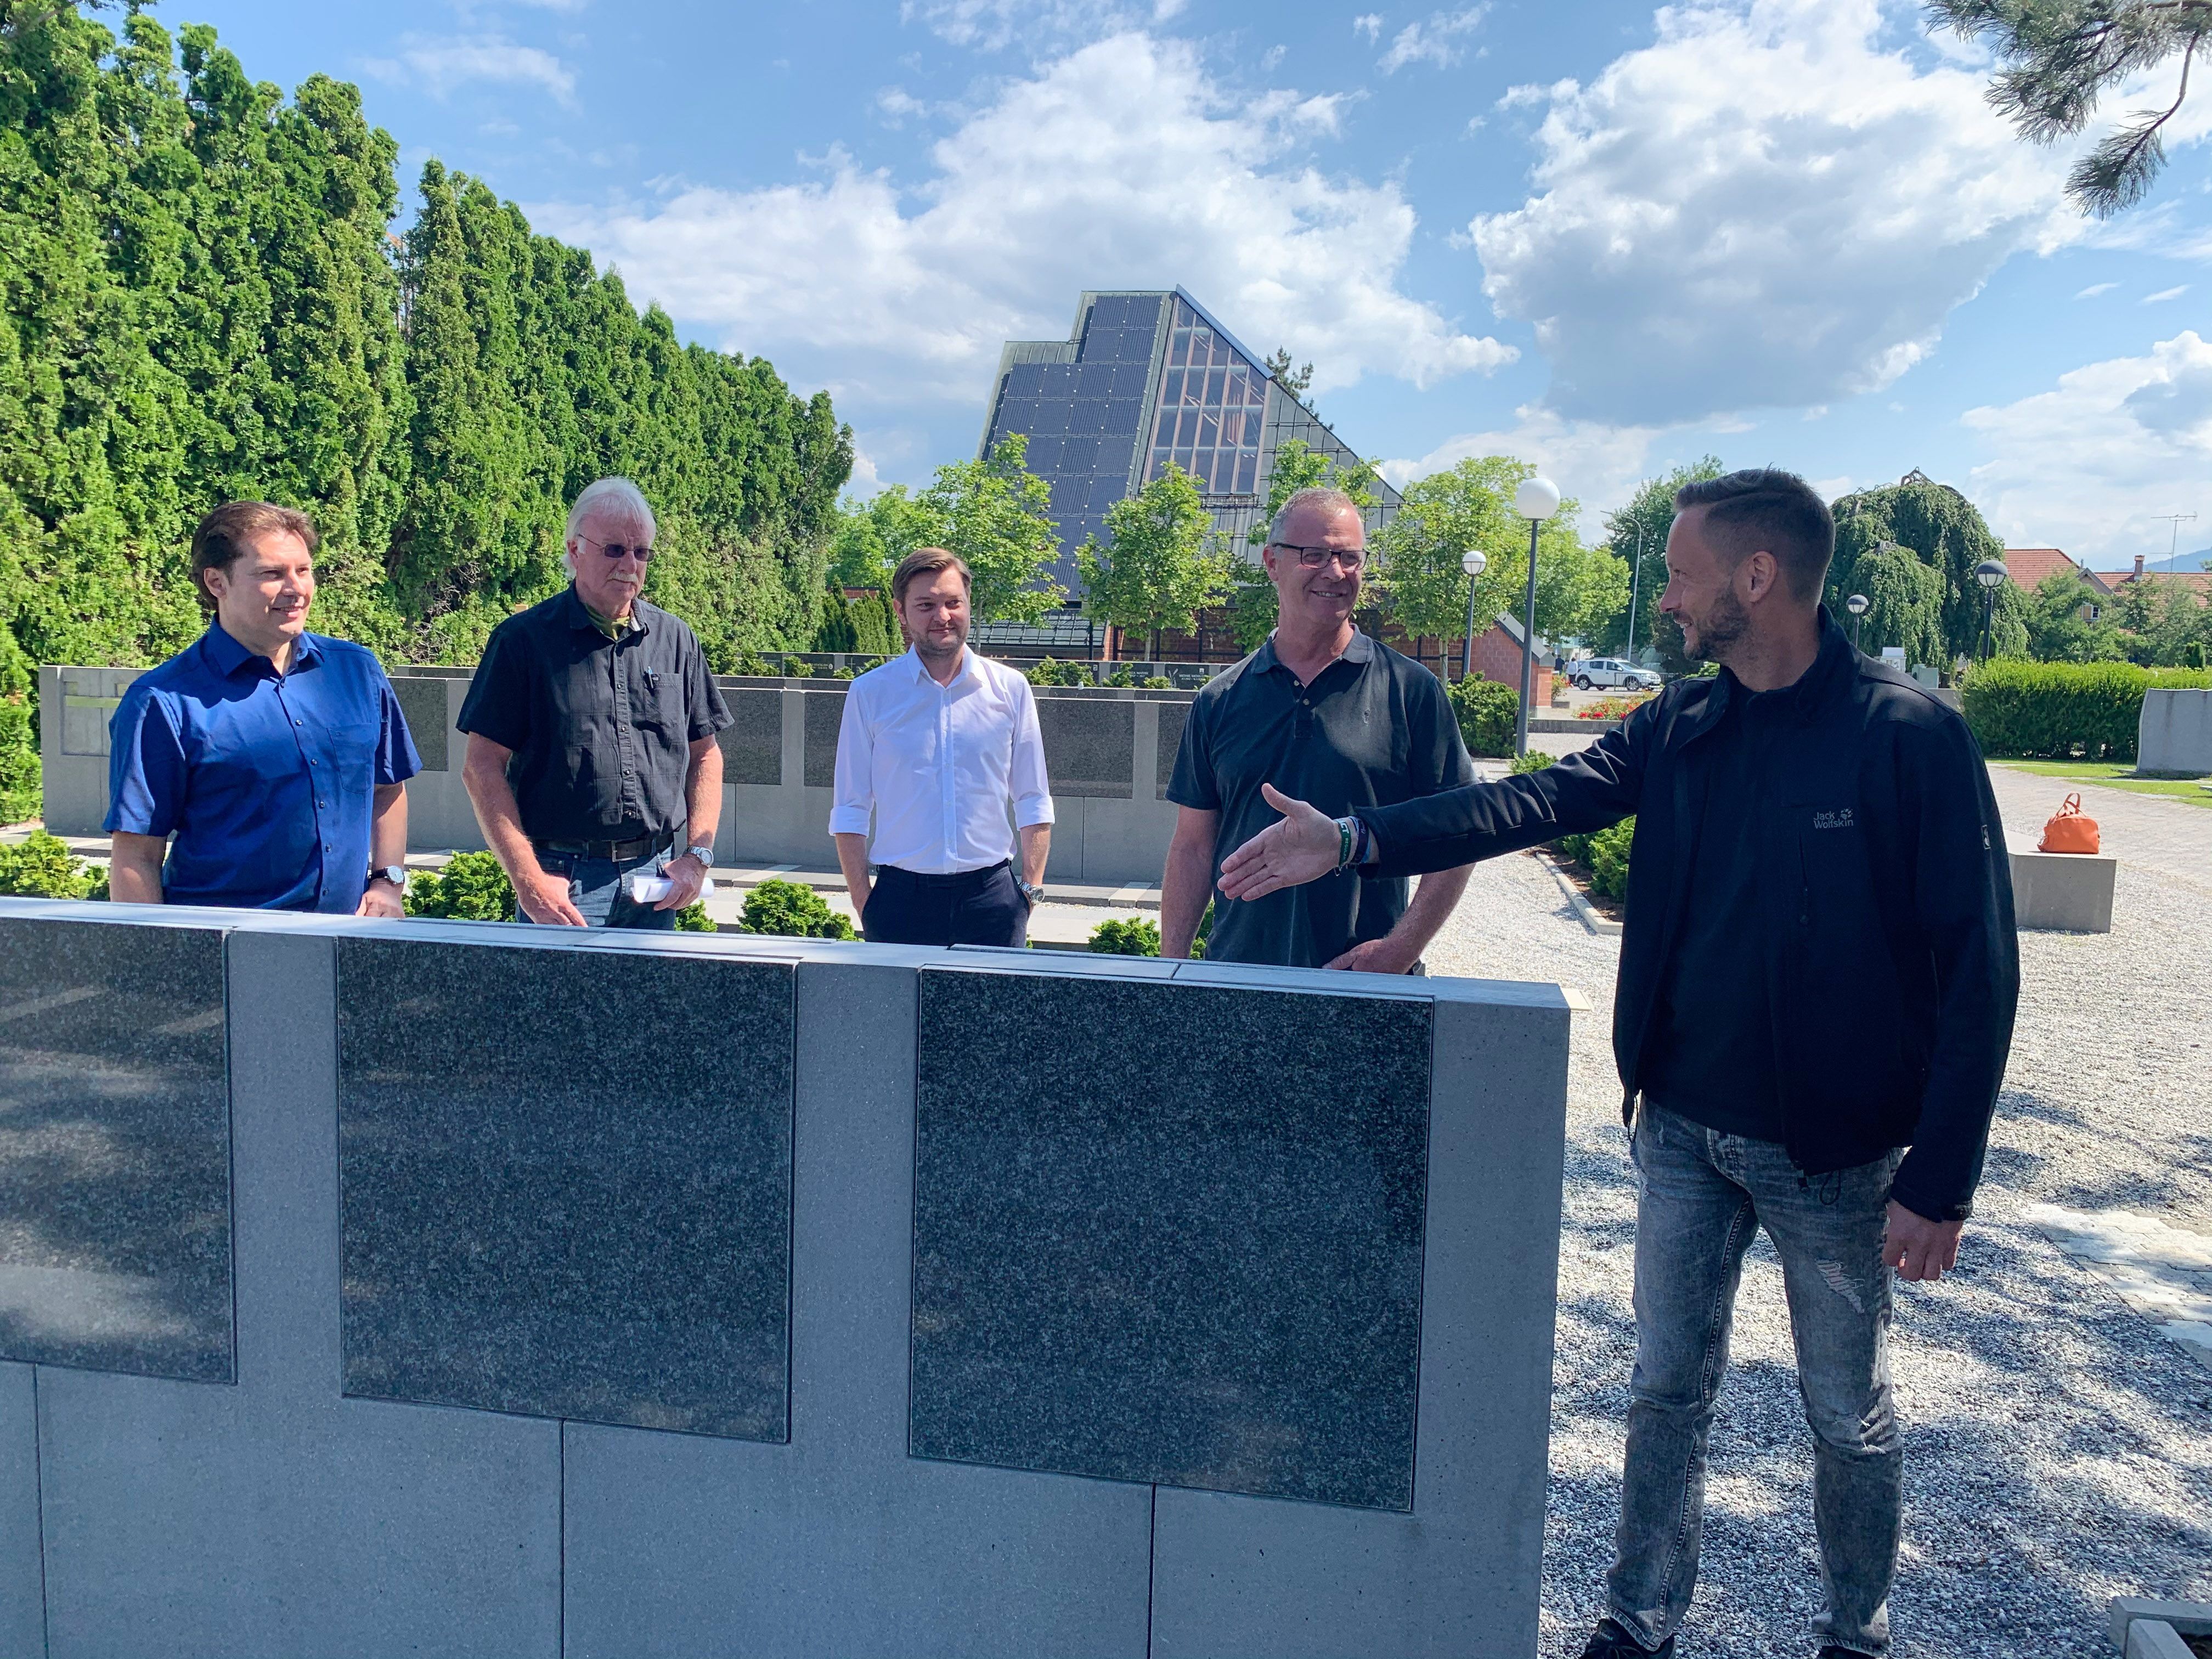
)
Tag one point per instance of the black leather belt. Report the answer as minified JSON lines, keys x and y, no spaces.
{"x":615,"y":851}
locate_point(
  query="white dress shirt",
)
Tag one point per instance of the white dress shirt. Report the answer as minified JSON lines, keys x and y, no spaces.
{"x":939,"y":764}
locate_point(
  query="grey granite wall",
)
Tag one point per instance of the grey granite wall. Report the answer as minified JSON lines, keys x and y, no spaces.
{"x":1090,"y":744}
{"x":422,"y":705}
{"x":752,"y":743}
{"x":553,"y":1203}
{"x":1081,"y":1267}
{"x":114,"y":1149}
{"x":825,"y":714}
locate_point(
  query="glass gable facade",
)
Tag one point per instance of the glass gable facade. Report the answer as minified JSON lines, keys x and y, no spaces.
{"x":1147,"y":379}
{"x":1212,"y":405}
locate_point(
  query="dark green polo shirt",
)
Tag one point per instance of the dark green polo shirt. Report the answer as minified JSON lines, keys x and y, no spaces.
{"x":601,"y":728}
{"x":1373,"y":729}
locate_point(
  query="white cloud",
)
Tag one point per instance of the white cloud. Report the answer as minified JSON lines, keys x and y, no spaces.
{"x":2095,"y":289}
{"x":1599,"y":464}
{"x":1368,"y":24}
{"x":889,"y":294}
{"x":441,"y":64}
{"x":2164,"y":294}
{"x":1431,"y":41}
{"x":1763,"y":208}
{"x":2085,"y":466}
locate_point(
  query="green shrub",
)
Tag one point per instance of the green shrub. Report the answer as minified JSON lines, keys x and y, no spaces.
{"x":1158,"y":682}
{"x":1122,"y":678}
{"x":794,"y":910}
{"x":1534,"y":761}
{"x":2054,"y":710}
{"x":1137,"y":937}
{"x":1487,"y":713}
{"x":797,"y":668}
{"x":20,"y":794}
{"x":41,"y":866}
{"x":1051,"y":672}
{"x":471,"y":887}
{"x":693,"y":919}
{"x":1603,"y":857}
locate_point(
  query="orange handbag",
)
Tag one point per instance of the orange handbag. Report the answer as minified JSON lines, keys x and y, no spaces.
{"x":2071,"y":831}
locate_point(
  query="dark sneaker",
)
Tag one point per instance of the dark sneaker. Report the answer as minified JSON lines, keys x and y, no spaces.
{"x":1612,"y":1642}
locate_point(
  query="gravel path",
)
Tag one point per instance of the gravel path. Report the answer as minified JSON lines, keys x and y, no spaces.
{"x":2059,"y":1449}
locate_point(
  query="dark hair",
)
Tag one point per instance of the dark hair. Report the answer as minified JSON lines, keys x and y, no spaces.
{"x":923,"y":561}
{"x":226,"y":534}
{"x":1763,"y":509}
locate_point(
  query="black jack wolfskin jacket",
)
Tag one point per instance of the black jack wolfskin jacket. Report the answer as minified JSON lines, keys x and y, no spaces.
{"x":1893,"y":967}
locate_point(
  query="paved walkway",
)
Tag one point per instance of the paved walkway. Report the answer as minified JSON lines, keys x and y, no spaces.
{"x":2169,"y":839}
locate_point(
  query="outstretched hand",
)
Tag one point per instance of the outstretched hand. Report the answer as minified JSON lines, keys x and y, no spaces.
{"x":1301,"y":848}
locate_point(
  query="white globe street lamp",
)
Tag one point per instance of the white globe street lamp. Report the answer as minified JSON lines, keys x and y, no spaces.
{"x":1475,"y":562}
{"x":1536,"y":500}
{"x":1991,"y":574}
{"x":1856,"y":604}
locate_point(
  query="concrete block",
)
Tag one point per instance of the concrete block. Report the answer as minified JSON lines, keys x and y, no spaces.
{"x":2067,"y":892}
{"x":824,"y":715}
{"x":1459,"y":1576}
{"x":839,"y":1545}
{"x":430,"y":721}
{"x":1089,"y":743}
{"x":22,"y":1571}
{"x":752,"y":743}
{"x":2189,"y":1618}
{"x":2174,"y":732}
{"x":272,"y":1518}
{"x":2153,"y":1638}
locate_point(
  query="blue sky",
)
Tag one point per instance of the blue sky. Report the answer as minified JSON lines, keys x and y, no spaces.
{"x":1605,"y":237}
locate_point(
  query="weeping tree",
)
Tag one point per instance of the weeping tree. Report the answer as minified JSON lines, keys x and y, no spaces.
{"x":2056,"y":60}
{"x":1940,"y":529}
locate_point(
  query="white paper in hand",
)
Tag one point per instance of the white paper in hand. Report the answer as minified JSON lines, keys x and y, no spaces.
{"x":651,"y":890}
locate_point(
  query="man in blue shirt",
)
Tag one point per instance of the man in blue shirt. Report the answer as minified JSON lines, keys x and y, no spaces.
{"x":276,"y":758}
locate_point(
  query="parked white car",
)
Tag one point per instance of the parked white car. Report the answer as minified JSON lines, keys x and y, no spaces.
{"x":1594,"y":671}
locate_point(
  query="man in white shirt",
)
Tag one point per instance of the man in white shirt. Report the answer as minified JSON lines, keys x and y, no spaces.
{"x":937,"y":745}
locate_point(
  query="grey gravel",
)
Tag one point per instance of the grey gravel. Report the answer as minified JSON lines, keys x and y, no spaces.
{"x":2059,"y":1449}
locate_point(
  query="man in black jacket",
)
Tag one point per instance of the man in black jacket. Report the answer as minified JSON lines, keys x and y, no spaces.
{"x":1819,"y":971}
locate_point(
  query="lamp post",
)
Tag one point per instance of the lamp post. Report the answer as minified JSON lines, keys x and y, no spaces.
{"x":1635,"y":571}
{"x":1475,"y":563}
{"x":1991,"y":574}
{"x":1536,"y":500}
{"x":1856,"y":604}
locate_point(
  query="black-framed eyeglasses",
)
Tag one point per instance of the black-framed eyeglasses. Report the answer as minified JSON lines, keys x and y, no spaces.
{"x":618,"y":549}
{"x":1312,"y":558}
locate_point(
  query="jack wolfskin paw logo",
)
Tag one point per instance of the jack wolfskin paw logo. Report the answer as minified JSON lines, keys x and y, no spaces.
{"x":1839,"y":819}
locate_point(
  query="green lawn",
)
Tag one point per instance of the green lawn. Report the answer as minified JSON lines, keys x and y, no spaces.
{"x":2112,"y":774}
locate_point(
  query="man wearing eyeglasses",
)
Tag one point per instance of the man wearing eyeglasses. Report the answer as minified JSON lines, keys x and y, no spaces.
{"x":1347,"y":716}
{"x":591,"y":719}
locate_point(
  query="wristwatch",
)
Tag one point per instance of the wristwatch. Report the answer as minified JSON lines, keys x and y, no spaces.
{"x":704,"y":852}
{"x":394,"y":873}
{"x":1034,"y":895}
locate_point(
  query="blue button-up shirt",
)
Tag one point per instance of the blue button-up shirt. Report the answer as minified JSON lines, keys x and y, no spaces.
{"x":266,"y":780}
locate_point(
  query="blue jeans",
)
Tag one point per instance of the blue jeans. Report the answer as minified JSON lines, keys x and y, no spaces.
{"x":596,"y":889}
{"x":1700,"y":1196}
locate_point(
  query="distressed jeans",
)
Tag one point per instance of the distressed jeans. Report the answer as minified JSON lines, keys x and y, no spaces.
{"x":1700,"y":1196}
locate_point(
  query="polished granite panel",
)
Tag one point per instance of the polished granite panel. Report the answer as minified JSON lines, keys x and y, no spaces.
{"x":1172,"y":1234}
{"x":1089,"y":745}
{"x":422,"y":704}
{"x":825,"y":714}
{"x":555,"y":1198}
{"x":1173,"y":717}
{"x":114,"y":1149}
{"x":752,"y":743}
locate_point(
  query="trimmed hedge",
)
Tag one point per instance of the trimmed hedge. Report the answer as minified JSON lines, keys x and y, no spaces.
{"x":1487,"y":713}
{"x":2056,"y":710}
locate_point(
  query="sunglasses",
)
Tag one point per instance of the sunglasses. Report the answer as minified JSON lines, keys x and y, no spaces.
{"x":618,"y":549}
{"x":1314,"y":557}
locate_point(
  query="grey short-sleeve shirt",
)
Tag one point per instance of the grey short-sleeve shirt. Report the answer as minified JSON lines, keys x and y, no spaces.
{"x":1373,"y":729}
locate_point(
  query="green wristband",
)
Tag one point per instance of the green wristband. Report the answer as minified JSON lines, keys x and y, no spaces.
{"x":1343,"y":843}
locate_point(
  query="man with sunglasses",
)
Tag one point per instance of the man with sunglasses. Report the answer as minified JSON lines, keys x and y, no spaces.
{"x":1353,"y":720}
{"x":591,"y":719}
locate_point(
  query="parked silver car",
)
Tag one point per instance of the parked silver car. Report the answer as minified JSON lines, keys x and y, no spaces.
{"x":1592,"y":672}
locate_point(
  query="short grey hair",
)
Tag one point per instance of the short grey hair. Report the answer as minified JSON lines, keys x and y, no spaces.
{"x":618,"y":497}
{"x":1321,"y":496}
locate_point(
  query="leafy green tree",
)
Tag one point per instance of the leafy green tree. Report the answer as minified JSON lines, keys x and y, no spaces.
{"x":1642,"y":523}
{"x":1297,"y":465}
{"x":870,"y":537}
{"x":995,"y":514}
{"x":2058,"y":628}
{"x":2055,"y":59}
{"x":1159,"y":568}
{"x":1905,"y":604}
{"x":1944,"y":532}
{"x":1293,"y":381}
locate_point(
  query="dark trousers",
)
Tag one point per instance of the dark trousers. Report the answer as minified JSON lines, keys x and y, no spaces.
{"x":974,"y":907}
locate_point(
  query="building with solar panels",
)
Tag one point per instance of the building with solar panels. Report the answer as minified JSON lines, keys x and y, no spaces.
{"x":1144,"y":378}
